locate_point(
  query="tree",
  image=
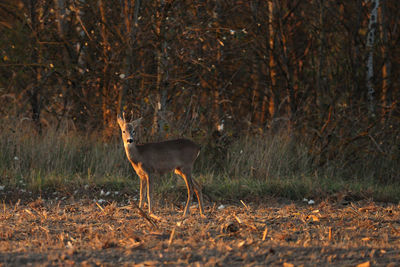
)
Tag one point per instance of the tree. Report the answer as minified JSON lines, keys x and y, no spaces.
{"x":372,"y":25}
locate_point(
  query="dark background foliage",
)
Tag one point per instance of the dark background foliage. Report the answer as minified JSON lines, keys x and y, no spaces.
{"x":191,"y":67}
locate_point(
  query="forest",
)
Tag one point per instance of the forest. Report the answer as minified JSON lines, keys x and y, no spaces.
{"x":295,"y":105}
{"x":271,"y":90}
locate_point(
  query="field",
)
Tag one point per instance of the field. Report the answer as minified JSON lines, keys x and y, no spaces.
{"x":297,"y":118}
{"x":67,"y":199}
{"x":49,"y":232}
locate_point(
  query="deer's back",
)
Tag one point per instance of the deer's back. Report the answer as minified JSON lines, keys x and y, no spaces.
{"x":167,"y":155}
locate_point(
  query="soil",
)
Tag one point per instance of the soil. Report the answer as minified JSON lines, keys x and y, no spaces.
{"x":282,"y":233}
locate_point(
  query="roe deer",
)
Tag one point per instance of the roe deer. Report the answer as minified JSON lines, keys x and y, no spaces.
{"x":158,"y":158}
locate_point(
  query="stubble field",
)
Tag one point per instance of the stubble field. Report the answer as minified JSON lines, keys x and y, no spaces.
{"x":83,"y":232}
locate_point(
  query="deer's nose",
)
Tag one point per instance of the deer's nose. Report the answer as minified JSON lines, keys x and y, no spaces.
{"x":129,"y":141}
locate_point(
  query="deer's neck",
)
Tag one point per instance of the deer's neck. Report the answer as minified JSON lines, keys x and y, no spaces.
{"x":132,"y":153}
{"x":135,"y":159}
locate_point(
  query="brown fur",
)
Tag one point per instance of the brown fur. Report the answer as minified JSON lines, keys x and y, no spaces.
{"x":151,"y":159}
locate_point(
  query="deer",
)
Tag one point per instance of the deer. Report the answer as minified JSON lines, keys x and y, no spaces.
{"x":151,"y":160}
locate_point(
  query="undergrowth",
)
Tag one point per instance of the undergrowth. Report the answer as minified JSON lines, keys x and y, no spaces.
{"x":252,"y":168}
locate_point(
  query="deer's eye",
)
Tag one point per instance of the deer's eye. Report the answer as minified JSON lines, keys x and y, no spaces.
{"x":123,"y":131}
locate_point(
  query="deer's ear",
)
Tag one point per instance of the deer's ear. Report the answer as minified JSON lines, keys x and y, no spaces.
{"x":137,"y":121}
{"x":120,"y":120}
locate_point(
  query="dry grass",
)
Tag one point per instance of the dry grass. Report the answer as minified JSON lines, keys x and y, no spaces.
{"x":251,"y":167}
{"x":48,"y":232}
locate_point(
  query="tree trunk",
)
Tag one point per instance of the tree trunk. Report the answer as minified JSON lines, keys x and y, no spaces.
{"x":215,"y":80}
{"x":386,"y":67}
{"x":257,"y":72}
{"x":370,"y":61}
{"x":321,"y":79}
{"x":159,"y":123}
{"x":59,"y":6}
{"x":131,"y":25}
{"x":288,"y":69}
{"x":36,"y":15}
{"x":255,"y":114}
{"x":268,"y":103}
{"x":108,"y":119}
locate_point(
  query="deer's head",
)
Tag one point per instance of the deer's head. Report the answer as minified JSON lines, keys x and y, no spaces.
{"x":128,"y":129}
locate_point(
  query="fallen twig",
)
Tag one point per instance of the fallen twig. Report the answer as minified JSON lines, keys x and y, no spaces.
{"x":144,"y":215}
{"x":171,"y":237}
{"x":265,"y":233}
{"x":244,"y":204}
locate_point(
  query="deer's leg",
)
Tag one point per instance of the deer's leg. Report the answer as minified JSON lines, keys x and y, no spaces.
{"x":142,"y":193}
{"x":199,"y":194}
{"x":189,"y":187}
{"x":149,"y":192}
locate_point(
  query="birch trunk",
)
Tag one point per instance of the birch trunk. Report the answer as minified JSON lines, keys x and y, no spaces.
{"x":370,"y":60}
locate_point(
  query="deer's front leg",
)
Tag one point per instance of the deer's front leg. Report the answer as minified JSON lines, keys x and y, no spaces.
{"x":142,"y":192}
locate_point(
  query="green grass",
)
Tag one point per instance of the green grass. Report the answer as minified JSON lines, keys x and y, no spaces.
{"x":252,"y":168}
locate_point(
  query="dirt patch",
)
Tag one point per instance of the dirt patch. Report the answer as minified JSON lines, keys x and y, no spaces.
{"x":46,"y":232}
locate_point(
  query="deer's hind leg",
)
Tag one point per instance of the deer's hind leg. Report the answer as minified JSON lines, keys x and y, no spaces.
{"x":199,"y":195}
{"x":149,"y":192}
{"x":186,"y":175}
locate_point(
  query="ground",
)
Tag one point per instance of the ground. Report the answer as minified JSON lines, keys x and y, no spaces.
{"x":278,"y":233}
